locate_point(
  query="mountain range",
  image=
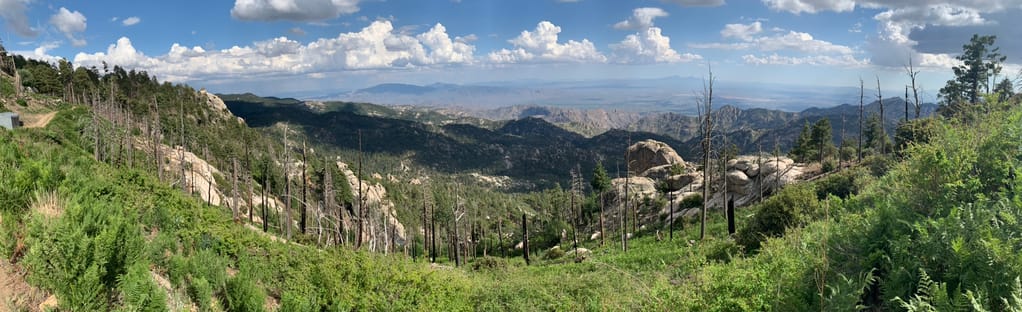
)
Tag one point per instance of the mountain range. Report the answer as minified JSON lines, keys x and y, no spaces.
{"x":536,"y":144}
{"x":666,"y":94}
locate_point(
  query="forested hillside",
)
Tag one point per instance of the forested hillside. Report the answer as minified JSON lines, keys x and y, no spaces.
{"x":110,"y":205}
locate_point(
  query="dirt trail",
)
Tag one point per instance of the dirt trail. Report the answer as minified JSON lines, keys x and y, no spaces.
{"x":15,"y":293}
{"x":38,"y":121}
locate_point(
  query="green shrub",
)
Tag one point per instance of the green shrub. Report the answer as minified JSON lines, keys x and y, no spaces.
{"x":842,"y":184}
{"x":723,"y":251}
{"x":916,"y":131}
{"x":243,"y":295}
{"x":828,"y":165}
{"x":553,"y":253}
{"x":80,"y":255}
{"x":177,"y":269}
{"x":294,"y":300}
{"x":694,"y":201}
{"x":793,"y":206}
{"x":489,"y":264}
{"x":22,"y":102}
{"x":201,"y":293}
{"x":8,"y":234}
{"x":6,"y":88}
{"x":139,"y":292}
{"x":878,"y":165}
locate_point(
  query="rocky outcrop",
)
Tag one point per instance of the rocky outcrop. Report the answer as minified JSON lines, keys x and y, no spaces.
{"x":213,"y":101}
{"x":217,"y":104}
{"x":382,"y":216}
{"x":750,"y":176}
{"x":651,"y":153}
{"x":681,"y":181}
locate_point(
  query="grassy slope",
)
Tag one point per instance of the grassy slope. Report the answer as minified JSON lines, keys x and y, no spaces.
{"x":951,"y":209}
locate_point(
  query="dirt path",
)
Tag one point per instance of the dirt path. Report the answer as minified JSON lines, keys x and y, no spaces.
{"x":15,"y":293}
{"x":38,"y":121}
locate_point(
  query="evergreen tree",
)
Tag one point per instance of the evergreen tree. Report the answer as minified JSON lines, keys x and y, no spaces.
{"x":1004,"y":90}
{"x":980,"y":62}
{"x":874,"y":134}
{"x":803,"y":144}
{"x":822,"y":139}
{"x":601,"y":181}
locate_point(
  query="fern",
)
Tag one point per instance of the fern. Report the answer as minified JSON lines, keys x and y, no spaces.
{"x":930,"y":296}
{"x":139,"y":292}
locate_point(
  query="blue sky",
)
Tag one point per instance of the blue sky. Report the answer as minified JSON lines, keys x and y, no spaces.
{"x":285,"y":46}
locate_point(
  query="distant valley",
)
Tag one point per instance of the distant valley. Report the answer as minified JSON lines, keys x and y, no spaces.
{"x":667,"y":94}
{"x":535,"y":144}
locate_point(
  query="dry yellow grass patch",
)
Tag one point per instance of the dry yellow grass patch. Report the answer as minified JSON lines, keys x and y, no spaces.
{"x":48,"y":204}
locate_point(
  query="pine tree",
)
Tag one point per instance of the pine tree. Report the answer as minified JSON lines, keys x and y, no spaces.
{"x":601,"y":183}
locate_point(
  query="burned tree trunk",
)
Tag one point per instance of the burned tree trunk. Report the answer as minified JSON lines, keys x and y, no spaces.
{"x":861,"y":97}
{"x":525,"y":239}
{"x":234,"y":193}
{"x":287,"y":186}
{"x":883,"y":130}
{"x":705,"y":108}
{"x":624,"y":212}
{"x":305,"y":183}
{"x":361,"y":199}
{"x":670,"y":202}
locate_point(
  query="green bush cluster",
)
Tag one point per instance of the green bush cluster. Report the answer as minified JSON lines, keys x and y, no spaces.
{"x":792,"y":206}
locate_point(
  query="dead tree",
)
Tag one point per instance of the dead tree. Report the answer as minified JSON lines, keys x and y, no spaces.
{"x":500,"y":237}
{"x":603,"y":229}
{"x":525,"y":239}
{"x":181,"y":152}
{"x":432,"y":237}
{"x":248,"y":164}
{"x":266,"y":180}
{"x":425,"y":222}
{"x":287,"y":185}
{"x":457,"y":217}
{"x":157,"y":135}
{"x":305,"y":189}
{"x":576,"y":183}
{"x":906,"y":103}
{"x":328,"y":198}
{"x":725,"y":120}
{"x":361,"y":199}
{"x":704,"y":106}
{"x":861,"y":97}
{"x":234,"y":191}
{"x":670,"y":203}
{"x":209,"y":183}
{"x":96,"y":132}
{"x":624,"y":212}
{"x":912,"y":74}
{"x":883,"y":130}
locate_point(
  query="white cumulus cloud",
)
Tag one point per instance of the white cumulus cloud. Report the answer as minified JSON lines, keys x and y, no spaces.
{"x":700,"y":3}
{"x":898,"y":19}
{"x":131,"y":21}
{"x":641,"y":18}
{"x":377,"y":46}
{"x":13,"y":14}
{"x":775,"y":59}
{"x":70,"y":23}
{"x":741,"y":31}
{"x":292,"y":10}
{"x":541,"y":45}
{"x":649,"y":46}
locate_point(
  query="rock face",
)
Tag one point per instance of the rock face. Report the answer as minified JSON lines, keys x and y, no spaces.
{"x":383,"y":217}
{"x":680,"y":181}
{"x":650,"y":153}
{"x":214,"y":101}
{"x":748,"y":176}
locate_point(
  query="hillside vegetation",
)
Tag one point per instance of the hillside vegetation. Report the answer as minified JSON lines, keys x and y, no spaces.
{"x":933,"y":225}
